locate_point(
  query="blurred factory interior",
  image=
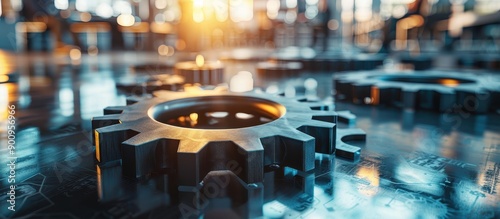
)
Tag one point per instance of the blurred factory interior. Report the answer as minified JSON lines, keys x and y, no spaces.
{"x":198,"y":25}
{"x":412,"y":88}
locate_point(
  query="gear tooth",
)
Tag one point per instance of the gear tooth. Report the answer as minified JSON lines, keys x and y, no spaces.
{"x":301,"y":99}
{"x":324,"y":134}
{"x":108,"y":140}
{"x":313,"y":104}
{"x":446,"y":100}
{"x":138,"y":151}
{"x":166,"y":154}
{"x":225,"y":184}
{"x":134,"y":99}
{"x":351,"y":134}
{"x":272,"y":150}
{"x":345,"y":150}
{"x":317,"y":105}
{"x":346,"y":117}
{"x":385,"y":95}
{"x":198,"y":159}
{"x":190,"y":162}
{"x":473,"y":100}
{"x":114,"y":110}
{"x":409,"y":98}
{"x":298,"y":150}
{"x":252,"y":160}
{"x":325,"y":116}
{"x":136,"y":155}
{"x":103,"y":121}
{"x":437,"y":99}
{"x":186,"y":146}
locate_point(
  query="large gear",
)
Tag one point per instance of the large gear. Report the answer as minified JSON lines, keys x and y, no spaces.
{"x":435,"y":90}
{"x":213,"y":159}
{"x":144,"y":136}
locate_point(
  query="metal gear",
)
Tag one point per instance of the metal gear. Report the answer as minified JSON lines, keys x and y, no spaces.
{"x":329,"y":60}
{"x":434,"y":90}
{"x":420,"y":62}
{"x":212,"y":75}
{"x":278,"y":69}
{"x":229,"y":166}
{"x":480,"y":61}
{"x":141,"y":136}
{"x":343,"y":149}
{"x":147,"y":84}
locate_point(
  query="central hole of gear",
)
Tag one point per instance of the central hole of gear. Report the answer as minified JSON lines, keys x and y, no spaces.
{"x":423,"y":79}
{"x":217,"y":112}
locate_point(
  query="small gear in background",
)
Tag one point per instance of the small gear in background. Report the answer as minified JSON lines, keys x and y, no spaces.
{"x":479,"y":61}
{"x":146,"y":78}
{"x":233,"y":135}
{"x":329,"y":60}
{"x":272,"y":69}
{"x":442,"y":91}
{"x":155,"y":81}
{"x":420,"y":62}
{"x":201,"y":71}
{"x":147,"y":84}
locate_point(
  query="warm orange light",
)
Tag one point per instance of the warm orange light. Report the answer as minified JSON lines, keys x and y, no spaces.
{"x":182,"y":120}
{"x":125,"y":20}
{"x":4,"y":103}
{"x":449,"y":82}
{"x":85,"y":17}
{"x":97,"y":146}
{"x":375,"y":95}
{"x":370,"y":174}
{"x":200,"y":61}
{"x":193,"y":116}
{"x":6,"y":66}
{"x":277,"y":111}
{"x":198,"y":3}
{"x":241,"y":10}
{"x":4,"y":78}
{"x":180,"y":44}
{"x":194,"y":119}
{"x":75,"y":54}
{"x":198,"y":15}
{"x":415,"y":21}
{"x":99,"y":182}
